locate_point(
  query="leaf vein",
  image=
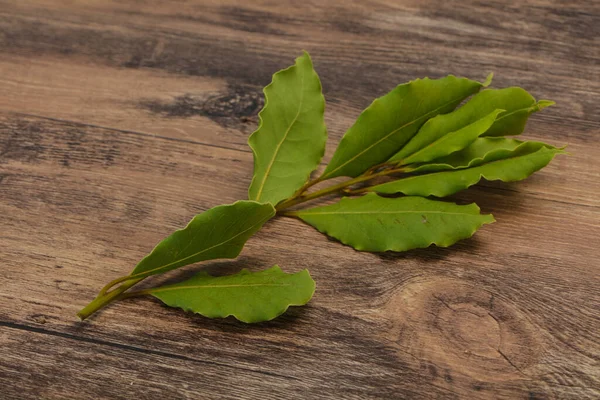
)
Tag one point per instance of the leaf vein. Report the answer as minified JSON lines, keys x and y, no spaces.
{"x":277,"y":149}
{"x":225,"y":242}
{"x":384,"y":212}
{"x":219,"y":286}
{"x":391,"y":134}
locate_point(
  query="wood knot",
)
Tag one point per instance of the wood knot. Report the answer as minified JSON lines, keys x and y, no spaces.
{"x":239,"y":102}
{"x":237,"y":105}
{"x":464,"y":330}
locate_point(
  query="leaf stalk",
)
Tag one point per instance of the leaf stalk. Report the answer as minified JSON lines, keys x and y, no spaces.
{"x":102,"y":300}
{"x":368,"y":175}
{"x":112,"y":283}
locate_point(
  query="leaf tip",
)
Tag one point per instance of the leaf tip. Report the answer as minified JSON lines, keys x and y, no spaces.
{"x":276,"y":268}
{"x":488,"y":80}
{"x":562,"y":150}
{"x":541,"y":104}
{"x":489,"y":219}
{"x":304,"y":58}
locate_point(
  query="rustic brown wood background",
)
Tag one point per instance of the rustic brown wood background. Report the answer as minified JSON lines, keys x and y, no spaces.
{"x":120,"y":120}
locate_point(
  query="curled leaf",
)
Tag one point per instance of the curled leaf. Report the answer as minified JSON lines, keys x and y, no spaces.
{"x":290,"y":140}
{"x":391,"y":120}
{"x":248,"y":296}
{"x":374,"y":223}
{"x":516,"y":103}
{"x":523,"y":162}
{"x":481,"y":151}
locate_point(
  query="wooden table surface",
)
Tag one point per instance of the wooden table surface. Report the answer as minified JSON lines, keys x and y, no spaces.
{"x":120,"y":120}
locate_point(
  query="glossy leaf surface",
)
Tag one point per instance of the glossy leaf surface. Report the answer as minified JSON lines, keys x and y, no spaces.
{"x":392,"y":120}
{"x":374,"y":223}
{"x":517,"y":103}
{"x":220,"y":232}
{"x":440,"y":184}
{"x":248,"y":296}
{"x":290,"y":140}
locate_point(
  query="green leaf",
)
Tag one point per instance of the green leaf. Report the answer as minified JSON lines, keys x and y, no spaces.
{"x":524,"y":161}
{"x":517,"y":103}
{"x":390,"y":121}
{"x":513,"y":123}
{"x":452,"y":142}
{"x":374,"y":223}
{"x":220,"y":232}
{"x":248,"y":296}
{"x":290,"y":140}
{"x":481,"y":151}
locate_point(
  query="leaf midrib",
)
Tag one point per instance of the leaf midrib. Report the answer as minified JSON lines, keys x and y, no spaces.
{"x":270,"y":166}
{"x":390,"y":134}
{"x":218,"y":286}
{"x":384,"y":212}
{"x":530,"y":109}
{"x":198,"y":253}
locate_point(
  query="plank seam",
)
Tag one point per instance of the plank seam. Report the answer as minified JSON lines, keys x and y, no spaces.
{"x":121,"y":346}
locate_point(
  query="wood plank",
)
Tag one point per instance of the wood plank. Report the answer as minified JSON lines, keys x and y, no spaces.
{"x":37,"y":363}
{"x":493,"y":315}
{"x":197,"y":71}
{"x":121,"y":120}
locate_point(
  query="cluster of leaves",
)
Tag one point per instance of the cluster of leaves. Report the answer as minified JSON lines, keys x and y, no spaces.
{"x":414,"y":137}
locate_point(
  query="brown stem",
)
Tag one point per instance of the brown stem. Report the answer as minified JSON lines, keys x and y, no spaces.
{"x":304,"y":188}
{"x":293,"y":201}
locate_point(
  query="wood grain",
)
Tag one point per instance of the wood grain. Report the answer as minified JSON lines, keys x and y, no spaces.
{"x":121,"y":120}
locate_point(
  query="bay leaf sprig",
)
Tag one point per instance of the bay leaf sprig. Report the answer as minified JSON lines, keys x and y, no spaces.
{"x":417,"y":138}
